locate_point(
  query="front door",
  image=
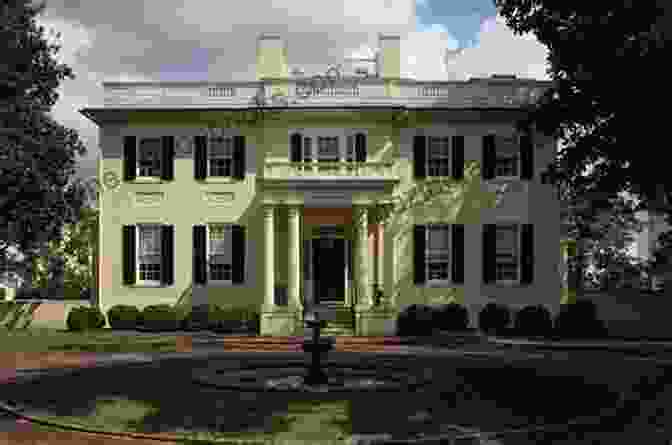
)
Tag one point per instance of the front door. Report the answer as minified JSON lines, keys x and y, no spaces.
{"x":329,"y":267}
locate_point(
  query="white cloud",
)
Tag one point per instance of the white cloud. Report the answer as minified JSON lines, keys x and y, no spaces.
{"x":499,"y":51}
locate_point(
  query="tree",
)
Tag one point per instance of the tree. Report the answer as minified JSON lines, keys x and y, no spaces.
{"x":603,"y":59}
{"x":77,"y":250}
{"x":37,"y":154}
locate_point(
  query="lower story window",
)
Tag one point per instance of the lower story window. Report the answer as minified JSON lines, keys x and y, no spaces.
{"x":149,"y":253}
{"x":220,"y":266}
{"x":438,"y":252}
{"x":507,"y":252}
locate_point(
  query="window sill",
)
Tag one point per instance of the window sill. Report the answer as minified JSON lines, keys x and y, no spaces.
{"x":148,"y":284}
{"x":516,"y":283}
{"x":219,"y":180}
{"x":431,"y":284}
{"x":146,"y":180}
{"x":504,"y":179}
{"x":439,"y":178}
{"x":212,"y":283}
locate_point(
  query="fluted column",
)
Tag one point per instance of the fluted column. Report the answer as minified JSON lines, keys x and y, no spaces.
{"x":269,"y":258}
{"x":293,"y":260}
{"x":379,"y":256}
{"x":363,"y":257}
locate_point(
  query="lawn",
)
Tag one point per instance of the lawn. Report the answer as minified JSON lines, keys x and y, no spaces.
{"x":46,"y":339}
{"x":484,"y":394}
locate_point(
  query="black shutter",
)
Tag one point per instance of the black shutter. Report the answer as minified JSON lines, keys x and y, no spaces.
{"x":488,"y":163}
{"x":419,"y":254}
{"x":526,"y":156}
{"x":527,"y":254}
{"x":199,"y":265}
{"x":458,"y":253}
{"x":130,"y":161}
{"x":295,"y":149}
{"x":239,"y":157}
{"x":238,"y":250}
{"x":360,"y":147}
{"x":458,"y":157}
{"x":128,"y":254}
{"x":200,"y":157}
{"x":419,"y":147}
{"x":167,"y":256}
{"x":489,"y":250}
{"x":167,"y":160}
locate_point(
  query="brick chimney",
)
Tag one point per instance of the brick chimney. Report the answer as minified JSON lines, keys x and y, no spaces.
{"x":271,"y":57}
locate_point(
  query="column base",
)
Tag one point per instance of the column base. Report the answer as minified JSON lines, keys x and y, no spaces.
{"x":375,"y":321}
{"x":280,"y":320}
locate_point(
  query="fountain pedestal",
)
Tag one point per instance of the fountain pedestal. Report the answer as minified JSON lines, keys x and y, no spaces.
{"x":316,"y":347}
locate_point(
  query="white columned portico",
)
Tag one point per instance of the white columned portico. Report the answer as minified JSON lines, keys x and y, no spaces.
{"x":269,"y":257}
{"x":294,"y":237}
{"x":361,"y":214}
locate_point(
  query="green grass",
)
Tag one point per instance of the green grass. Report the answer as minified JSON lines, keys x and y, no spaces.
{"x":44,"y":340}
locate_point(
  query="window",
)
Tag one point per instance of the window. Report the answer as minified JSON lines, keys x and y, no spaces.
{"x":220,"y":156}
{"x":507,"y":252}
{"x":507,"y":157}
{"x":149,"y":157}
{"x":438,"y":155}
{"x":327,"y":148}
{"x":438,"y":252}
{"x":219,"y":253}
{"x":149,"y":253}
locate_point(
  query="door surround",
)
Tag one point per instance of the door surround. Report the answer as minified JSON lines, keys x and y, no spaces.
{"x":327,"y":231}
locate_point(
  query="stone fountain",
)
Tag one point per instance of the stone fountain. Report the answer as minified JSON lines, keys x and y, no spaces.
{"x":316,"y":346}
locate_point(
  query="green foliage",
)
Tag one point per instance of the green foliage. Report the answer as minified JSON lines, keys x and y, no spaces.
{"x":234,"y":319}
{"x":83,"y":318}
{"x":76,"y":247}
{"x":37,"y":196}
{"x":122,"y":316}
{"x":160,"y":317}
{"x":494,"y":318}
{"x":594,"y":49}
{"x":579,"y":320}
{"x":533,"y":321}
{"x":451,"y":317}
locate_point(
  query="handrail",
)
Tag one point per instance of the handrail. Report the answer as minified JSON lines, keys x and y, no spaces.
{"x":330,"y":168}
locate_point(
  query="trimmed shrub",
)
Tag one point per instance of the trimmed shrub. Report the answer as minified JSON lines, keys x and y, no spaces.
{"x":533,"y":321}
{"x":231,"y":319}
{"x":83,"y":318}
{"x":451,"y":317}
{"x":579,"y":320}
{"x":197,"y":318}
{"x":494,"y":318}
{"x":160,"y":317}
{"x":123,"y":316}
{"x":415,"y":320}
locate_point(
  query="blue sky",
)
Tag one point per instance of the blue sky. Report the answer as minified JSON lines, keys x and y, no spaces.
{"x":144,"y":40}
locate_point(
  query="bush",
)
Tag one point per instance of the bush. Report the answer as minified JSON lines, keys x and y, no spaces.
{"x":579,"y":320}
{"x":494,"y":318}
{"x":123,"y":316}
{"x":160,"y":317}
{"x":533,"y":321}
{"x":417,"y":319}
{"x":233,"y":319}
{"x":83,"y":318}
{"x":197,"y":318}
{"x":451,"y":317}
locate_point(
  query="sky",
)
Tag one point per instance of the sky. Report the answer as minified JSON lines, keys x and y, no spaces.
{"x":144,"y":40}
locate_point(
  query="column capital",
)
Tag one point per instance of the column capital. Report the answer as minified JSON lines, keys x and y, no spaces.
{"x":268,"y":210}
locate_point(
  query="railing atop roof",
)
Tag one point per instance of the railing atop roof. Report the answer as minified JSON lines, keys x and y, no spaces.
{"x":505,"y":92}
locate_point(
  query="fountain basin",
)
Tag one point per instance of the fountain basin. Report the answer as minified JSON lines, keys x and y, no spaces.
{"x":289,"y":377}
{"x":323,"y":345}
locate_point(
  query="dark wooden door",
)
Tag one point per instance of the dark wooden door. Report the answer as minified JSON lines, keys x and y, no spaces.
{"x":329,"y":267}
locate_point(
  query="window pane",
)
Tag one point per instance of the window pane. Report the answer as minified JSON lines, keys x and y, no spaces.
{"x":327,"y":147}
{"x":149,"y":159}
{"x":507,"y":239}
{"x":438,"y":237}
{"x":221,"y":147}
{"x":307,"y":148}
{"x":150,"y":241}
{"x":438,"y":147}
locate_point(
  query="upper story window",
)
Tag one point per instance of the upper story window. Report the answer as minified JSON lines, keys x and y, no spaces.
{"x":219,"y":253}
{"x":149,"y":157}
{"x":149,"y":254}
{"x":220,"y":156}
{"x":327,"y":145}
{"x":507,"y":252}
{"x":438,"y":156}
{"x":507,"y":158}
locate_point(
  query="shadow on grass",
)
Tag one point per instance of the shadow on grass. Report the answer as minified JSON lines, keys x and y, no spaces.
{"x":161,"y":398}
